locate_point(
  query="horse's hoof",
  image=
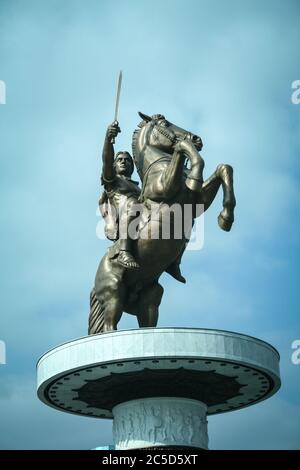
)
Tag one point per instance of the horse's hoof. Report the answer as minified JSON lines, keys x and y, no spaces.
{"x":225,"y":224}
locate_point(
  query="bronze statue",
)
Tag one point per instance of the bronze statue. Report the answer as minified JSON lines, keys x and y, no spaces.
{"x":127,"y":279}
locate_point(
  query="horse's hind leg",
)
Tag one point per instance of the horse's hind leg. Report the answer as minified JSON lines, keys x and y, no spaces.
{"x":150,"y":298}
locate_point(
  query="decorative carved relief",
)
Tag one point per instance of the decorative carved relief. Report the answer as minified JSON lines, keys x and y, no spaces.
{"x":158,"y":421}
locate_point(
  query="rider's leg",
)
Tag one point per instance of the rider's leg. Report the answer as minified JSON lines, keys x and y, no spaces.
{"x":126,"y":257}
{"x":128,"y":225}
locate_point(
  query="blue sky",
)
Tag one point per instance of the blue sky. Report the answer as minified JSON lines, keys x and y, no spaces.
{"x":222,"y":69}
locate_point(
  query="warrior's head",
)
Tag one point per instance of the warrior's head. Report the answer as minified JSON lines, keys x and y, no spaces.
{"x":123,"y":164}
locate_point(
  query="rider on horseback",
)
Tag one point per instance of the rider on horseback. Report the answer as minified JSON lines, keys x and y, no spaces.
{"x":117,"y":182}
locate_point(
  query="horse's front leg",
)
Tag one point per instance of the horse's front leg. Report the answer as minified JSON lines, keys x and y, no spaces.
{"x":194,"y":180}
{"x":226,"y":216}
{"x":222,"y":176}
{"x":165,"y":183}
{"x":171,"y":178}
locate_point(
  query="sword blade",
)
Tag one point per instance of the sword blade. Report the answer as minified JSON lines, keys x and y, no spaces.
{"x":118,"y":95}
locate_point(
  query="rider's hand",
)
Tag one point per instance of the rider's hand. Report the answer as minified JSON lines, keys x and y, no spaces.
{"x":113,"y":130}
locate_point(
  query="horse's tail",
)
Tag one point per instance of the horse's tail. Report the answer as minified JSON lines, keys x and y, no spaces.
{"x":96,"y":318}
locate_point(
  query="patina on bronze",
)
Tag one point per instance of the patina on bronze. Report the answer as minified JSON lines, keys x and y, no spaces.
{"x":127,"y":279}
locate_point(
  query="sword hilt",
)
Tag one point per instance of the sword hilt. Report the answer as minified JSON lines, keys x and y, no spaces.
{"x":115,"y":123}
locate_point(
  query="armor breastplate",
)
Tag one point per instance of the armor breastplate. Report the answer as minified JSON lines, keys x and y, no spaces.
{"x":116,"y":190}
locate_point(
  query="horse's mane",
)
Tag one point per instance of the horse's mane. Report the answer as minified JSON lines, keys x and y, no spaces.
{"x":135,"y":137}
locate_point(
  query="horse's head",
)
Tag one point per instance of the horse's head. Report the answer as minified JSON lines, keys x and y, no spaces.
{"x":164,"y":135}
{"x":159,"y":133}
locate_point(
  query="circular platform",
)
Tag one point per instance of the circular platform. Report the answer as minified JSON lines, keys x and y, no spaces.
{"x":92,"y":375}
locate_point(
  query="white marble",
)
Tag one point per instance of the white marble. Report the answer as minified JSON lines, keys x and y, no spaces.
{"x":254,"y":363}
{"x":153,"y":422}
{"x":157,"y":342}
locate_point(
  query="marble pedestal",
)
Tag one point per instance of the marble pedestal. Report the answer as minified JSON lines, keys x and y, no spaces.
{"x":159,"y":422}
{"x":158,"y":384}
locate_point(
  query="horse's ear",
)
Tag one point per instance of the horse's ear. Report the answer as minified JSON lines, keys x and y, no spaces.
{"x":145,"y":117}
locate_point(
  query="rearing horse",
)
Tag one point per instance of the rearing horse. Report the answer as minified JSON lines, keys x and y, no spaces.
{"x":160,"y":150}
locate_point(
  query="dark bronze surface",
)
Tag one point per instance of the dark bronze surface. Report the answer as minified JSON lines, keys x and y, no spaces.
{"x":127,"y":279}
